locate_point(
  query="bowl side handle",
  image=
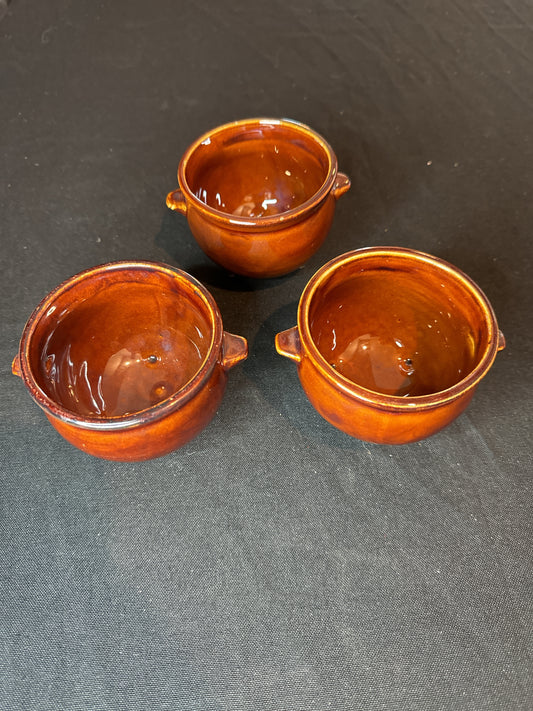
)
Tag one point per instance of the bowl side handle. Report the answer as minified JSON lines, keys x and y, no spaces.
{"x":234,"y":349}
{"x":15,"y":367}
{"x":176,"y":201}
{"x":288,"y":344}
{"x":341,"y":185}
{"x":501,"y":341}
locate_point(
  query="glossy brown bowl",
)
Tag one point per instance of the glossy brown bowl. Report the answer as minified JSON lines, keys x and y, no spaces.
{"x":128,"y":360}
{"x":259,"y":194}
{"x":391,"y":343}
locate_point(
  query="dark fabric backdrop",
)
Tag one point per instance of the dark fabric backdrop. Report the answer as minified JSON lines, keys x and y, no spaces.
{"x":273,"y":563}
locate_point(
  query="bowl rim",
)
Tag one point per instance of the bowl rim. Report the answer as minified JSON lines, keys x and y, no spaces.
{"x":142,"y":417}
{"x":375,"y":398}
{"x":278,"y":220}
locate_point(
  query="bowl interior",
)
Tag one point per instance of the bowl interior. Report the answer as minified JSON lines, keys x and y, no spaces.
{"x":125,"y":343}
{"x":257,"y":170}
{"x":398,"y":326}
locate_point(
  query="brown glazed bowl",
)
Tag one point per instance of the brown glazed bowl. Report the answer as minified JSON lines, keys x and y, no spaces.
{"x":128,"y":360}
{"x":259,"y":194}
{"x":391,"y":343}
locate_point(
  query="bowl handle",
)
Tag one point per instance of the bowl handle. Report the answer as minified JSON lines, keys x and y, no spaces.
{"x":15,"y":367}
{"x":176,"y":201}
{"x":234,"y":349}
{"x":501,"y":341}
{"x":341,"y":185}
{"x":288,"y":344}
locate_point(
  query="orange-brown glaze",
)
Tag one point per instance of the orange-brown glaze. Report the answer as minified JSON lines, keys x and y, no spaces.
{"x":391,"y":343}
{"x":259,"y":194}
{"x":128,"y":360}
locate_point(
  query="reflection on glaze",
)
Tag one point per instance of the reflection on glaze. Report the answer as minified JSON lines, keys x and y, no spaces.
{"x":259,"y":206}
{"x":380,"y":361}
{"x":113,"y":358}
{"x":395,"y":338}
{"x":258,"y":178}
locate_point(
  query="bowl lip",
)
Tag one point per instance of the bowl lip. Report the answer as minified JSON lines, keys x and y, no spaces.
{"x":268,"y":222}
{"x":395,"y":402}
{"x":142,"y":417}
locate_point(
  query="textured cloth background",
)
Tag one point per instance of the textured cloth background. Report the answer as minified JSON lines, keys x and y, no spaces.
{"x":273,"y":563}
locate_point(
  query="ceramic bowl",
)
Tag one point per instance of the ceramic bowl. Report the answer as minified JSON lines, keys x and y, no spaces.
{"x":128,"y":360}
{"x":391,"y":343}
{"x":259,"y":194}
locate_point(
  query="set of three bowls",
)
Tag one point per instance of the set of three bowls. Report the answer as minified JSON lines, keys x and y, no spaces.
{"x":129,"y":360}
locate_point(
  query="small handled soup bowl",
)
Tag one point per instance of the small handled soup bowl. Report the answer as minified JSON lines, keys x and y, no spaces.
{"x":128,"y":360}
{"x":259,"y":194}
{"x":391,"y":343}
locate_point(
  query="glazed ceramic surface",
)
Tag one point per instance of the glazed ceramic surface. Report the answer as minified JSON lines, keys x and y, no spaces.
{"x":128,"y":360}
{"x":391,"y":343}
{"x":259,"y":194}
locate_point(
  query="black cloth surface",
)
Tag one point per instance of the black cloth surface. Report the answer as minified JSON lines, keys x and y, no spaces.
{"x":273,"y":562}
